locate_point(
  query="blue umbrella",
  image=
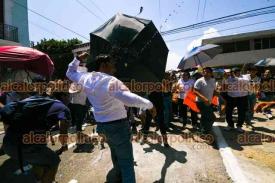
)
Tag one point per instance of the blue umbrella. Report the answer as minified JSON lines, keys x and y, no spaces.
{"x":199,"y":55}
{"x":267,"y":62}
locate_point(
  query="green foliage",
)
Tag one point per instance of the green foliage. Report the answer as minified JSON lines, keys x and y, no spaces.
{"x":60,"y":51}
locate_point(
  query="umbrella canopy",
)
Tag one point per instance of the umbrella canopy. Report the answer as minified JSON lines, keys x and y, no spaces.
{"x":199,"y":55}
{"x":268,"y":62}
{"x":25,"y":58}
{"x":136,"y":43}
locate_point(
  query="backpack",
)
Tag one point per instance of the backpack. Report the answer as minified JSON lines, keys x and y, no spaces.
{"x":28,"y":114}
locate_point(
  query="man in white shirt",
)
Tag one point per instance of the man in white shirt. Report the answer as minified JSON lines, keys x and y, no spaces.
{"x":204,"y":89}
{"x":237,"y":89}
{"x":109,"y":96}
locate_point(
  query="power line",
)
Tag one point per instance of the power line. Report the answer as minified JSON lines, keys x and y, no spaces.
{"x":222,"y":30}
{"x":98,"y":8}
{"x":229,"y":18}
{"x":198,"y":10}
{"x":46,"y":30}
{"x":204,"y":7}
{"x":68,"y":29}
{"x":160,"y":15}
{"x":85,"y":7}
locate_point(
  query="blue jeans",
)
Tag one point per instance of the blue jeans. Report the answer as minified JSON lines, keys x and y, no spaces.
{"x":167,"y":103}
{"x":118,"y":137}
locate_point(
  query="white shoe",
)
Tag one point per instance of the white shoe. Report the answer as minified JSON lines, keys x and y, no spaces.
{"x":239,"y":129}
{"x":85,"y":125}
{"x":269,"y":116}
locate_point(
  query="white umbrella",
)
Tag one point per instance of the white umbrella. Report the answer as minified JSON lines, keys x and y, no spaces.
{"x":267,"y":62}
{"x":199,"y":55}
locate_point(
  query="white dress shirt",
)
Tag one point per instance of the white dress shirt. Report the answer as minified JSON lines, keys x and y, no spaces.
{"x":237,"y":86}
{"x":107,"y":94}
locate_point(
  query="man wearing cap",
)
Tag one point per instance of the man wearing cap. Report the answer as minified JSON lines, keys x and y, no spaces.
{"x":237,"y":90}
{"x":109,"y":96}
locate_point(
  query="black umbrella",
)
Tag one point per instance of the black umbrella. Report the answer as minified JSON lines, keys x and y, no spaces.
{"x":136,"y":43}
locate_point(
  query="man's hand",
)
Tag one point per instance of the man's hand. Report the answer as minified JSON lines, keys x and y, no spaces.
{"x":83,"y":56}
{"x":153,"y":112}
{"x":208,"y":102}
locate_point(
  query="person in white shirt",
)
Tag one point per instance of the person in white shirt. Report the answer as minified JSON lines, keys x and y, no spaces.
{"x":109,"y":96}
{"x":237,"y":89}
{"x":184,"y":85}
{"x":78,"y":110}
{"x":204,"y":89}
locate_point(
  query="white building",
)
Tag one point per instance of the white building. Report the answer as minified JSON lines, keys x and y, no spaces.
{"x":243,"y":48}
{"x":84,"y":47}
{"x":14,"y":29}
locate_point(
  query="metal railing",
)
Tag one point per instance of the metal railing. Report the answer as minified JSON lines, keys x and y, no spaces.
{"x":8,"y":32}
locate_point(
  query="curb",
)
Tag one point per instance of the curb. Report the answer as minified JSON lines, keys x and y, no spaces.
{"x":229,"y":160}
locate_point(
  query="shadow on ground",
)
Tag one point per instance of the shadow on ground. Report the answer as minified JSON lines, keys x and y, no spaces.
{"x":171,"y":155}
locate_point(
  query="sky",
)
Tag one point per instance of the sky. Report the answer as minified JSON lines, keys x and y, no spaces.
{"x":165,"y":14}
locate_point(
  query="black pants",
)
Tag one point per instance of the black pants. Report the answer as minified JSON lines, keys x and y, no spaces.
{"x":78,"y":114}
{"x":241,"y":104}
{"x":175,"y":108}
{"x":183,"y":113}
{"x":159,"y":120}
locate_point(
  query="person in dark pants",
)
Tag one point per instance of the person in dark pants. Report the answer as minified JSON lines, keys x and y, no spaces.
{"x":167,"y":100}
{"x":157,"y":100}
{"x":184,"y":85}
{"x":109,"y":96}
{"x":237,"y":97}
{"x":204,"y":89}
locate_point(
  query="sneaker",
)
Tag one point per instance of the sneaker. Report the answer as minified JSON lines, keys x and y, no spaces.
{"x":240,"y":130}
{"x":229,"y":128}
{"x":85,"y":125}
{"x":269,"y":116}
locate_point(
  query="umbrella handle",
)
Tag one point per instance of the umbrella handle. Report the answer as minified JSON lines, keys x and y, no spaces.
{"x":197,"y":61}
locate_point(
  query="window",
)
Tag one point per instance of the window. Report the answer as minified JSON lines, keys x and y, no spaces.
{"x":266,"y":44}
{"x":228,"y":47}
{"x":242,"y":46}
{"x":272,"y":42}
{"x":258,"y":44}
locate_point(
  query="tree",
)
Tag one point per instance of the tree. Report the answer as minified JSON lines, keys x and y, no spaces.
{"x":60,"y":51}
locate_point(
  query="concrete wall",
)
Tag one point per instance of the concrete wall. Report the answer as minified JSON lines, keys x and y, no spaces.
{"x":17,"y":16}
{"x":238,"y":58}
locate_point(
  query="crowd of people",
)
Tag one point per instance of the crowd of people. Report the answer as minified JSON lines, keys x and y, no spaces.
{"x":183,"y":94}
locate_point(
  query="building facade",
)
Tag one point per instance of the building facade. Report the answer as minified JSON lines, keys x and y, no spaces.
{"x":14,"y":29}
{"x":240,"y":49}
{"x":84,"y":47}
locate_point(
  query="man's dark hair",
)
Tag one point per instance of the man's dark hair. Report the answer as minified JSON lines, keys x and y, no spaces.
{"x":208,"y":68}
{"x":187,"y":73}
{"x":252,"y":68}
{"x":102,"y":58}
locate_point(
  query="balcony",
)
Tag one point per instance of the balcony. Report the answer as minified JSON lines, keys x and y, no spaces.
{"x":8,"y":32}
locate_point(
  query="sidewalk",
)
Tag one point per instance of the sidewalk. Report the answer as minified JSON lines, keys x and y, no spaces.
{"x":254,"y":149}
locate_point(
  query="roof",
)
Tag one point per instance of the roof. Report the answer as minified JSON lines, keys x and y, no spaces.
{"x":240,"y":37}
